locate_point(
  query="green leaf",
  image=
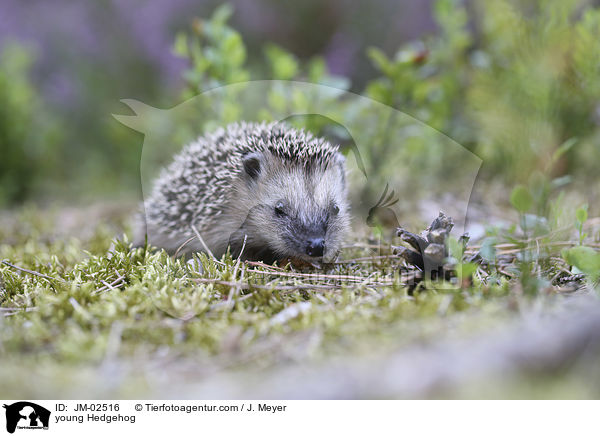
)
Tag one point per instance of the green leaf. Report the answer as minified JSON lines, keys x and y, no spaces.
{"x":581,"y":214}
{"x":380,"y":61}
{"x":316,"y":69}
{"x":565,"y":147}
{"x":559,"y":182}
{"x":180,"y":48}
{"x":585,"y":259}
{"x":284,"y":65}
{"x":234,"y":50}
{"x":521,"y":199}
{"x":464,"y":270}
{"x":222,"y":14}
{"x":455,"y":249}
{"x":488,"y":249}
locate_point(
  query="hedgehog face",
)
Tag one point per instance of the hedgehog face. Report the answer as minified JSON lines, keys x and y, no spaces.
{"x":300,"y":211}
{"x":302,"y":234}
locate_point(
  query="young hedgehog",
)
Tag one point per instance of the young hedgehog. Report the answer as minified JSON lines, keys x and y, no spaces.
{"x":279,"y":189}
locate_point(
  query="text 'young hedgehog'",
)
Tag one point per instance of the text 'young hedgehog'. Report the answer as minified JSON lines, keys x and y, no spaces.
{"x":279,"y":189}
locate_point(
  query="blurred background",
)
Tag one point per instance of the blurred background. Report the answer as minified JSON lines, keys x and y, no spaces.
{"x":514,"y":81}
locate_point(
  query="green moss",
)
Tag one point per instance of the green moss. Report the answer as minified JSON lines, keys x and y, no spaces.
{"x":100,"y":300}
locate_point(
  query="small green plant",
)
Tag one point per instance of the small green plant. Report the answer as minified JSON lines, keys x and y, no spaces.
{"x":456,"y":254}
{"x":215,"y":50}
{"x":521,"y":199}
{"x":584,"y":260}
{"x":581,"y":216}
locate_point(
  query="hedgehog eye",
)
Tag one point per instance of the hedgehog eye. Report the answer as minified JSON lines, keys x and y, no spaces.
{"x":335,"y":209}
{"x":280,"y":208}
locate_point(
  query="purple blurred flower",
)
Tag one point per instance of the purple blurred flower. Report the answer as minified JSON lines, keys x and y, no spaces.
{"x":340,"y":54}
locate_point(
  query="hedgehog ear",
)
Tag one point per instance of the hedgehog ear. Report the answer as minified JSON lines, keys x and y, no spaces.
{"x":251,"y":163}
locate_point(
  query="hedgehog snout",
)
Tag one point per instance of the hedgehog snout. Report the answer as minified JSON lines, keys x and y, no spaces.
{"x":315,"y":247}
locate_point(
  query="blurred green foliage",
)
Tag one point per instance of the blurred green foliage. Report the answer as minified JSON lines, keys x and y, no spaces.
{"x":537,"y":89}
{"x":215,"y":51}
{"x":217,"y":56}
{"x":515,"y":82}
{"x":28,"y":133}
{"x":514,"y":90}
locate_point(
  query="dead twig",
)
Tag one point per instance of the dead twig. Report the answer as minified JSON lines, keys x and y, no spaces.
{"x":246,"y":285}
{"x":235,"y":270}
{"x":183,"y":245}
{"x":263,"y":265}
{"x":110,"y":286}
{"x":10,"y":311}
{"x":339,"y":277}
{"x":28,"y":271}
{"x":366,"y":259}
{"x":202,"y":242}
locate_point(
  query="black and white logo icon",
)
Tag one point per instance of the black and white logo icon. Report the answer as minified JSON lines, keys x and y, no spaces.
{"x":26,"y":415}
